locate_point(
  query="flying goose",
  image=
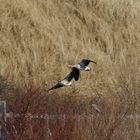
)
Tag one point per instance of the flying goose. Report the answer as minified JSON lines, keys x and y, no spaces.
{"x":83,"y":65}
{"x":67,"y":80}
{"x":96,"y":107}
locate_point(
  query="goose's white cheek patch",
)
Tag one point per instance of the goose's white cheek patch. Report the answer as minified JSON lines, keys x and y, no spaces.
{"x":87,"y":69}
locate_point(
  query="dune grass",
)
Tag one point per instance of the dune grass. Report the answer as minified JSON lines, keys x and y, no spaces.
{"x":38,"y":39}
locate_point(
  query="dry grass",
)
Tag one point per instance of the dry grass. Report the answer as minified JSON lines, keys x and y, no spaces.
{"x":38,"y":39}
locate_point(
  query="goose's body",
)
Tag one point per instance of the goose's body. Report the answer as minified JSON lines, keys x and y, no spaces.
{"x":67,"y":80}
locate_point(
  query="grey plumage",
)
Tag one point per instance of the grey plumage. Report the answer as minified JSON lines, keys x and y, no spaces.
{"x":83,"y":65}
{"x":73,"y":74}
{"x":85,"y":62}
{"x":58,"y":85}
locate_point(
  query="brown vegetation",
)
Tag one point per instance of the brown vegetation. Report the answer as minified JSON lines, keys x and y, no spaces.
{"x":39,"y":117}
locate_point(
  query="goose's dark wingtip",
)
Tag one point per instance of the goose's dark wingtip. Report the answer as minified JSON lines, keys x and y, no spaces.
{"x":93,"y":61}
{"x":50,"y":89}
{"x":47,"y":90}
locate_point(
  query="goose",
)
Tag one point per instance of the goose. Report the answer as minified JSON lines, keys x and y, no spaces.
{"x":67,"y":81}
{"x":83,"y":65}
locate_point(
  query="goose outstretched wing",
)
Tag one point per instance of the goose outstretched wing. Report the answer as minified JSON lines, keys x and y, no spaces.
{"x":58,"y":85}
{"x":85,"y":62}
{"x":75,"y":73}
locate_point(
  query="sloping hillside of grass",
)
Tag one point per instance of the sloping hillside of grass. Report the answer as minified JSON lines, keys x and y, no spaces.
{"x":38,"y":39}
